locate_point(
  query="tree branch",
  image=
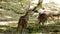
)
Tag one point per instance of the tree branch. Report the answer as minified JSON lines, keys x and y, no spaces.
{"x":39,"y":5}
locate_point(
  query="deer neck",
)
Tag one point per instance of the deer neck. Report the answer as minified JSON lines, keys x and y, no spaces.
{"x":26,"y":15}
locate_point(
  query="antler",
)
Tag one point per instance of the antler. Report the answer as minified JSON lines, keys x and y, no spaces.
{"x":25,"y":7}
{"x":28,"y":6}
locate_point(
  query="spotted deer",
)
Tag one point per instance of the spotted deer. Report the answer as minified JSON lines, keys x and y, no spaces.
{"x":43,"y":16}
{"x":23,"y":20}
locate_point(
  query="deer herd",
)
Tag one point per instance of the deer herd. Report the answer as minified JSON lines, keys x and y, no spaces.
{"x":43,"y":16}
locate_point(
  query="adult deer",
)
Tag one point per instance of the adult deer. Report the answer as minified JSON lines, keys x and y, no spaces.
{"x":23,"y":20}
{"x":43,"y":16}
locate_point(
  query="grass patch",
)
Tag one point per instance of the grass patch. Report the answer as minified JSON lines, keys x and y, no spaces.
{"x":33,"y":28}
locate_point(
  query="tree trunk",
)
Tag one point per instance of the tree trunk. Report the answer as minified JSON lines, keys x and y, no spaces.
{"x":39,"y":5}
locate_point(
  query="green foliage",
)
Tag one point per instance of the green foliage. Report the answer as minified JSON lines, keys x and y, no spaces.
{"x":15,"y":5}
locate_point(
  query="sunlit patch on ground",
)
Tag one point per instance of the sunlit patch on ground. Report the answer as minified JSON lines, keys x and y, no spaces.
{"x":9,"y":23}
{"x":7,"y":16}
